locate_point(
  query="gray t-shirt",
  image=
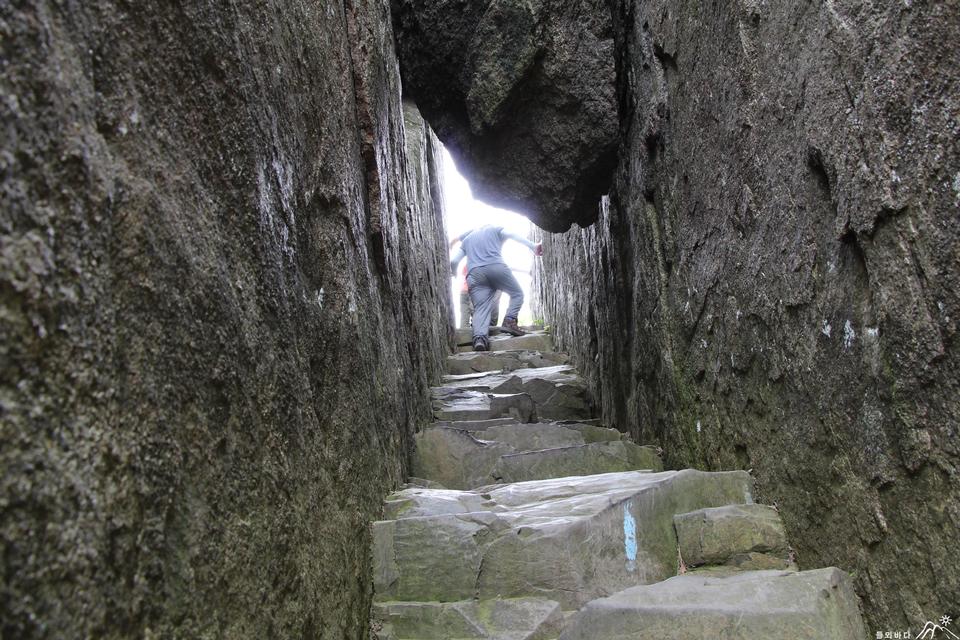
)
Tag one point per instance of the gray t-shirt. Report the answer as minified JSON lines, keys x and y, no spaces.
{"x":482,"y":246}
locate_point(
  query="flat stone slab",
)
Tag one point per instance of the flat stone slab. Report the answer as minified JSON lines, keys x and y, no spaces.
{"x":454,"y":404}
{"x":500,"y":361}
{"x":533,"y":436}
{"x":565,"y":539}
{"x":456,"y":459}
{"x":591,"y":429}
{"x":576,"y":460}
{"x":739,"y":535}
{"x":533,"y":341}
{"x":474,"y":425}
{"x":503,"y":619}
{"x":773,"y":605}
{"x":558,"y":392}
{"x":462,"y":459}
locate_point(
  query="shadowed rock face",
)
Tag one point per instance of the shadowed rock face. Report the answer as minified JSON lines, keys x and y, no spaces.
{"x":219,"y":230}
{"x":774,"y":282}
{"x":522,"y":94}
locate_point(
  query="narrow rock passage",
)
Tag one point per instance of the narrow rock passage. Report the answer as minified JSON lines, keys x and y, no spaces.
{"x":529,"y":520}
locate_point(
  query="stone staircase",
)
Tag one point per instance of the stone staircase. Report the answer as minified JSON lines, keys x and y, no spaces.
{"x":528,"y":520}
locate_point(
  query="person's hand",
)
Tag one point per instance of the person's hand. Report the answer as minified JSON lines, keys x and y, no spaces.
{"x":538,"y":249}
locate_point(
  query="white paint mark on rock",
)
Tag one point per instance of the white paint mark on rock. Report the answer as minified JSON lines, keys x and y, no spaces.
{"x":698,"y":426}
{"x":629,"y":537}
{"x":320,"y":295}
{"x":826,"y":329}
{"x":849,"y":335}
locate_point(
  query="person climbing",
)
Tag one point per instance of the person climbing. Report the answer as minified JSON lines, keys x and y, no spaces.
{"x":487,"y":274}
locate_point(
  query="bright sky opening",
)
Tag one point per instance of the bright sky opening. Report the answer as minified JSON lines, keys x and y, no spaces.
{"x":463,"y":213}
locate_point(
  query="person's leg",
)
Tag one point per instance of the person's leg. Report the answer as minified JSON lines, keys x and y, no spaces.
{"x":464,"y":309}
{"x":482,"y":295}
{"x":495,"y":310}
{"x":503,"y":280}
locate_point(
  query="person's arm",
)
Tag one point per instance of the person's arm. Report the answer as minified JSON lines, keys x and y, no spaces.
{"x":536,"y":248}
{"x":460,"y":238}
{"x":455,"y":260}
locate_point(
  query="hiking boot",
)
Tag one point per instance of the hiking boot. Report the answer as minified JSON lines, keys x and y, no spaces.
{"x":510,"y":326}
{"x":480,"y":343}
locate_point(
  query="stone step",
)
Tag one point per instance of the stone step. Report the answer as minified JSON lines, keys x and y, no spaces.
{"x":501,"y":618}
{"x":569,"y":540}
{"x":459,"y":459}
{"x":545,"y":435}
{"x":774,"y":605}
{"x":453,"y":404}
{"x":533,"y":341}
{"x":499,"y":361}
{"x":558,"y":392}
{"x":578,"y":424}
{"x":741,"y":536}
{"x":578,"y":460}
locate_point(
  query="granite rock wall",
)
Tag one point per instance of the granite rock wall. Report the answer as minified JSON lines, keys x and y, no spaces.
{"x":773,"y":282}
{"x":223,"y":295}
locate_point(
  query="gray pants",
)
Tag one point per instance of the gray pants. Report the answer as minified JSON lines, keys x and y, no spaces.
{"x":484,"y":284}
{"x":466,"y":310}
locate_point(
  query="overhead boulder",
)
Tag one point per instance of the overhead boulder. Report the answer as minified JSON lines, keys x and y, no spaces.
{"x":522,"y":93}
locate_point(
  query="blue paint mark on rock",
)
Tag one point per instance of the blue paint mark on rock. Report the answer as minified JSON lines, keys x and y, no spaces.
{"x":629,"y":537}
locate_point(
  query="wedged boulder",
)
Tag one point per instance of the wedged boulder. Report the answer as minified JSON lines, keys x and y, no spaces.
{"x":453,"y":404}
{"x":522,"y":93}
{"x":565,"y":539}
{"x":747,"y":536}
{"x":577,"y":460}
{"x":500,"y":618}
{"x":773,"y":605}
{"x":480,"y":361}
{"x":456,"y":459}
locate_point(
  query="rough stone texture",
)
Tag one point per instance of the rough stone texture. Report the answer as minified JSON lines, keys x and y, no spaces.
{"x":775,"y":605}
{"x":454,"y":404}
{"x":580,"y":460}
{"x":502,"y":619}
{"x":461,"y":459}
{"x":454,"y":458}
{"x":563,"y":539}
{"x":558,"y":392}
{"x":217,"y":234}
{"x":477,"y":361}
{"x":774,"y":282}
{"x":522,"y":94}
{"x":733,"y":534}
